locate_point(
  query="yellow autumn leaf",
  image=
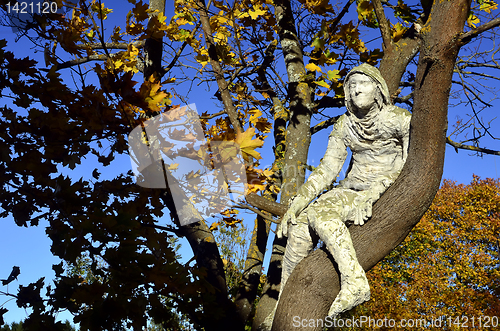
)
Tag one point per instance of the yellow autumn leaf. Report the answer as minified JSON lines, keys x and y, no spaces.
{"x":322,"y":83}
{"x":488,"y":6}
{"x":150,"y":91}
{"x":397,"y":32}
{"x":333,"y":75}
{"x":214,"y":226}
{"x":313,"y":67}
{"x":173,"y":166}
{"x":255,"y":116}
{"x":255,"y":13}
{"x":472,"y":20}
{"x":248,"y":145}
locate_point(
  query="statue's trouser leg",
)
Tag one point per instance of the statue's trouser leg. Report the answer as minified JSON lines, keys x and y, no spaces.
{"x":354,"y":287}
{"x":300,"y":243}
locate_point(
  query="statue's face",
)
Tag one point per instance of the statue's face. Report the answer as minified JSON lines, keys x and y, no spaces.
{"x":363,"y":91}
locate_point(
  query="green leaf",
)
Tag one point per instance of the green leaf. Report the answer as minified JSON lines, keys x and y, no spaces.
{"x":333,"y":75}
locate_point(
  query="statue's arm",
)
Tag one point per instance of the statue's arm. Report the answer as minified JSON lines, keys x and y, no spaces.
{"x":319,"y":179}
{"x":326,"y":172}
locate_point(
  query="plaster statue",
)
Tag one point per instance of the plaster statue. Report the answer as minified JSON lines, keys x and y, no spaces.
{"x":377,"y":133}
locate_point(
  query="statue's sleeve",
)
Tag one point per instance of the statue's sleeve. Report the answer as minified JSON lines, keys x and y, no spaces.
{"x":328,"y":169}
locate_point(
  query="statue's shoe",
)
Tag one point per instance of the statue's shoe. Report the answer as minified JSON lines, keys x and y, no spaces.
{"x":353,"y":292}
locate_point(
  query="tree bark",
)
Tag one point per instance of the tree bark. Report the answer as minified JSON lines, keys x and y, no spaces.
{"x":298,"y":139}
{"x":314,"y":284}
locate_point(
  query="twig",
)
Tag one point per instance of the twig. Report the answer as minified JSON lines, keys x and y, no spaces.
{"x":255,"y":210}
{"x":341,"y":15}
{"x":468,"y":36}
{"x":325,"y":124}
{"x":208,"y":117}
{"x":458,"y":145}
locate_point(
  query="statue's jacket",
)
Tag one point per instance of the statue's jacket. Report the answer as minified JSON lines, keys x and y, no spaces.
{"x":379,"y":145}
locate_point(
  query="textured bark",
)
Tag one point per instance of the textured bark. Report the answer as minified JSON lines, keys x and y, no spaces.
{"x":218,"y":309}
{"x":314,"y":284}
{"x":298,"y":138}
{"x":247,"y":292}
{"x":153,"y":48}
{"x":266,"y":204}
{"x":396,"y":59}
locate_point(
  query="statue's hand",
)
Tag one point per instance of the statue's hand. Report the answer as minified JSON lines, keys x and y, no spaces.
{"x":289,"y":217}
{"x":362,"y":209}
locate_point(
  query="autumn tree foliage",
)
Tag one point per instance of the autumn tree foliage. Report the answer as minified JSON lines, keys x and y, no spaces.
{"x":448,"y":266}
{"x":275,"y":69}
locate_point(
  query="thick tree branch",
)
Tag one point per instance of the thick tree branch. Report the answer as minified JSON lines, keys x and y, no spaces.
{"x":458,"y":145}
{"x":330,"y":102}
{"x":248,"y":287}
{"x":468,"y":36}
{"x":258,"y":212}
{"x":298,"y":138}
{"x":265,"y":204}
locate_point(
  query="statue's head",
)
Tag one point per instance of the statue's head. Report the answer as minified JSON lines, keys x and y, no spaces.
{"x":365,"y":89}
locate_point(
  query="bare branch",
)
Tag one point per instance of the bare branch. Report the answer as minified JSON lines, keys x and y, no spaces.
{"x":341,"y":14}
{"x":138,"y":44}
{"x":255,"y":210}
{"x":217,"y":68}
{"x":480,"y":74}
{"x":471,"y":148}
{"x":208,"y":117}
{"x":472,"y":92}
{"x":475,"y":64}
{"x":325,"y":124}
{"x":181,"y":49}
{"x":82,"y":60}
{"x":468,"y":36}
{"x":385,"y":29}
{"x":405,"y":99}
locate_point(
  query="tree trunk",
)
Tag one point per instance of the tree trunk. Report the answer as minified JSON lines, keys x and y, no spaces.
{"x":314,"y":284}
{"x":298,"y":139}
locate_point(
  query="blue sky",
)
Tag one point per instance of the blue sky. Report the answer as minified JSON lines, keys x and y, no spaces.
{"x":29,"y":248}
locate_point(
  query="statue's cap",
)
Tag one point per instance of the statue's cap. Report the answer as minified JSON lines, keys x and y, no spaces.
{"x":372,"y":72}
